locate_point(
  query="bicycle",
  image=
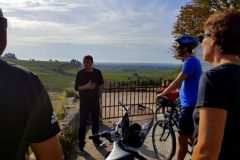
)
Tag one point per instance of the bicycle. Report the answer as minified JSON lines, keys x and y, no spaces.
{"x":164,"y":105}
{"x":127,"y":133}
{"x":163,"y":134}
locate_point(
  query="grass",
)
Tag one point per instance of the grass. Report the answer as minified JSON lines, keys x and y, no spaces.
{"x":151,"y":74}
{"x":61,"y":75}
{"x":55,"y":75}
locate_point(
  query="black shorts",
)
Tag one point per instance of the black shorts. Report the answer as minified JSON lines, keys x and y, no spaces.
{"x":186,"y":126}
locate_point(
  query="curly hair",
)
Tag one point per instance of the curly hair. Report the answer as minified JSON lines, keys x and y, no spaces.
{"x":224,"y":27}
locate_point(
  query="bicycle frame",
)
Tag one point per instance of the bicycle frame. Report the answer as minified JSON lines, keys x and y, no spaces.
{"x":173,"y":116}
{"x":166,"y":124}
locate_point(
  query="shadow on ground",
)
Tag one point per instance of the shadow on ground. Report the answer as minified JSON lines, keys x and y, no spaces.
{"x":91,"y":152}
{"x":94,"y":153}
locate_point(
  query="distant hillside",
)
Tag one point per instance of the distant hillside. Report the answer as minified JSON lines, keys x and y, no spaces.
{"x":53,"y":74}
{"x":59,"y":75}
{"x":128,"y":67}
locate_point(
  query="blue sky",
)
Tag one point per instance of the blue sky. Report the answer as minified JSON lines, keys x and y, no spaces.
{"x":110,"y":30}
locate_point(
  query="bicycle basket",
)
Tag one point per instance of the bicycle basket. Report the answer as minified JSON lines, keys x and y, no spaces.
{"x":136,"y":124}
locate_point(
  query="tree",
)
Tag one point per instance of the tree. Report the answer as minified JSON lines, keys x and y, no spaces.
{"x":75,"y":62}
{"x":191,"y":18}
{"x":10,"y":55}
{"x":192,"y":15}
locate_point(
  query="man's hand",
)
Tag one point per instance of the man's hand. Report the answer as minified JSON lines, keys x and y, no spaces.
{"x":90,"y":85}
{"x":159,"y":96}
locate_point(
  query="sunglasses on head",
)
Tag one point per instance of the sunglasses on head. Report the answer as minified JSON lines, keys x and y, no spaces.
{"x":203,"y":35}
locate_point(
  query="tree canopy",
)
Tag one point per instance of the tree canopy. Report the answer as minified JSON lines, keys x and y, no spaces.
{"x":193,"y":14}
{"x":10,"y":55}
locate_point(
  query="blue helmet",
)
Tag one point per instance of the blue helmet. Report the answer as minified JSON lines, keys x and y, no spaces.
{"x":187,"y":40}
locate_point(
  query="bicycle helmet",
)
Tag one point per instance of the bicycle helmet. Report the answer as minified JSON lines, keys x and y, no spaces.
{"x":134,"y":137}
{"x":186,"y":41}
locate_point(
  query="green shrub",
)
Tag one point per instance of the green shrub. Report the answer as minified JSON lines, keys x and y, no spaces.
{"x":61,"y":116}
{"x":70,"y":93}
{"x":67,"y":139}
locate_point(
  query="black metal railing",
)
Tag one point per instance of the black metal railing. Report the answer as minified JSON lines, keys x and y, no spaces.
{"x":130,"y":93}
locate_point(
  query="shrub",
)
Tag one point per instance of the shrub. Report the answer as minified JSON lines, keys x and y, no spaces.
{"x":67,"y":139}
{"x":70,"y":93}
{"x":61,"y":116}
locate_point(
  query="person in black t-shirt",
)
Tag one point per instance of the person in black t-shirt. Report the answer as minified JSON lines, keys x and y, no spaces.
{"x":26,"y":113}
{"x":218,"y":108}
{"x":88,"y":82}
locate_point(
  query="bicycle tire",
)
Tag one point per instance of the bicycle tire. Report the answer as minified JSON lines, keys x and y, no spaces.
{"x":164,"y":140}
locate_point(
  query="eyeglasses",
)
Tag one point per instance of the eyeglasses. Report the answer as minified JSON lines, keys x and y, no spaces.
{"x":3,"y":22}
{"x":203,"y":35}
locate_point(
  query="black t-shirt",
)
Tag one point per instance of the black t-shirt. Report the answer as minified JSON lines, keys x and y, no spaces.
{"x":26,"y":114}
{"x":220,"y":88}
{"x":89,"y":96}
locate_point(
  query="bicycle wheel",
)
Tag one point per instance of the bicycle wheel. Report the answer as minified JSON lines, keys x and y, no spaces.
{"x":164,"y":140}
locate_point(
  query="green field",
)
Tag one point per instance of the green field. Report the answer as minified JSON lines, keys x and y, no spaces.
{"x":60,"y":75}
{"x":124,"y":76}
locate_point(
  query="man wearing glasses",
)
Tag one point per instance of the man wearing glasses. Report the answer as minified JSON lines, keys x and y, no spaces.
{"x":26,"y":113}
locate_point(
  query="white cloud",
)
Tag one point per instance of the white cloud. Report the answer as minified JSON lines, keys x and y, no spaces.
{"x":120,"y":23}
{"x":33,"y":26}
{"x":39,"y":5}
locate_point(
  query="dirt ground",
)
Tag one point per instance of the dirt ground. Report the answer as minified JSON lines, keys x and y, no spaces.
{"x":93,"y":153}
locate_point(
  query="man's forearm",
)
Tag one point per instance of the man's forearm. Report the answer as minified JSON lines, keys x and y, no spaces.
{"x":81,"y":88}
{"x":173,"y":86}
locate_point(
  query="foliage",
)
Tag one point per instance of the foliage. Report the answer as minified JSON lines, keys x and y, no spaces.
{"x":192,"y":15}
{"x":75,"y":62}
{"x":55,"y":75}
{"x":10,"y":55}
{"x":126,"y":76}
{"x":59,"y":75}
{"x":190,"y":20}
{"x":59,"y":103}
{"x":69,"y":131}
{"x":215,"y":5}
{"x":67,"y":139}
{"x":174,"y":74}
{"x":137,"y":77}
{"x":70,"y":93}
{"x":61,"y":116}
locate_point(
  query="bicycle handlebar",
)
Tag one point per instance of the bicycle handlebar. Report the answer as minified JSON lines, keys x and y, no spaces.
{"x":160,"y":99}
{"x":104,"y":134}
{"x":140,"y":106}
{"x":123,"y":105}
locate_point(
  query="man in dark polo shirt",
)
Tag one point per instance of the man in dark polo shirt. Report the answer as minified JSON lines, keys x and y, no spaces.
{"x":26,"y":114}
{"x":88,"y":82}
